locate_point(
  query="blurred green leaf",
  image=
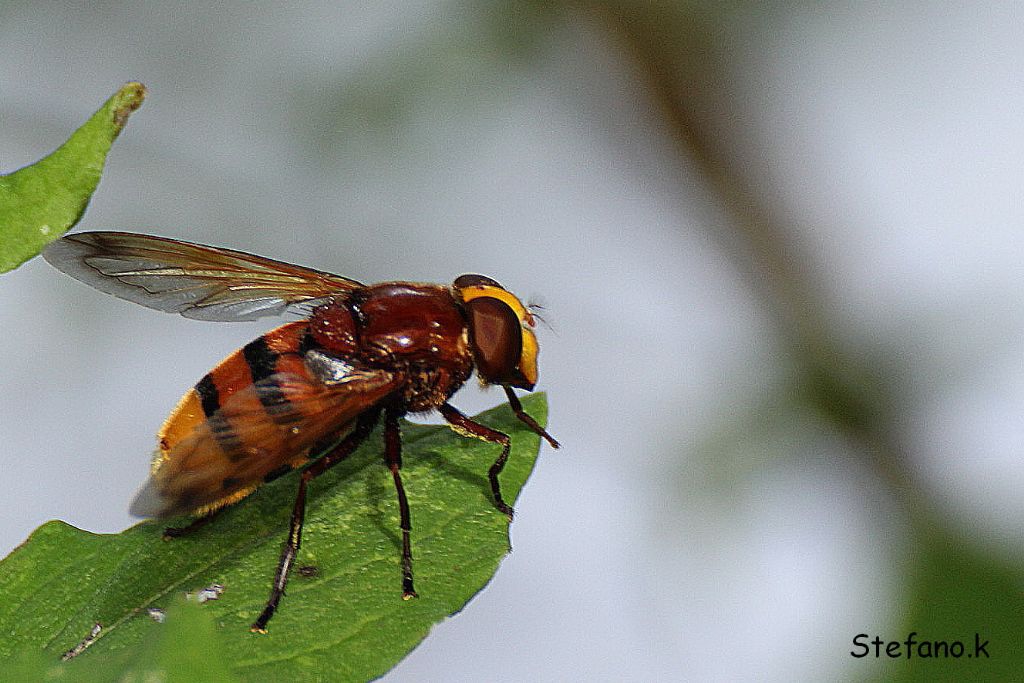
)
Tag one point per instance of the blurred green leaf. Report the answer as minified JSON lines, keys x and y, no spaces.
{"x":957,"y":590}
{"x":39,"y":203}
{"x":345,"y":622}
{"x":462,"y":61}
{"x":186,"y":648}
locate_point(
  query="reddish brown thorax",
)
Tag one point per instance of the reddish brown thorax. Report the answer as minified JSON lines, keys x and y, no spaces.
{"x":411,"y":322}
{"x":333,"y":328}
{"x":417,"y":331}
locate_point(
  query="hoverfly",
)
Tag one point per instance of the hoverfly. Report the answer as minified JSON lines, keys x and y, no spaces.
{"x":307,"y":393}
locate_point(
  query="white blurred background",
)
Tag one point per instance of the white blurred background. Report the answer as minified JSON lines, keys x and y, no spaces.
{"x":708,"y":518}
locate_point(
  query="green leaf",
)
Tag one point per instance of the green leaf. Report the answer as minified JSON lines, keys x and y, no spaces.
{"x":39,"y":203}
{"x":346,"y":621}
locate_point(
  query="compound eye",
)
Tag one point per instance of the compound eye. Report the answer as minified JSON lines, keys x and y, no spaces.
{"x":496,"y":337}
{"x":474,"y":280}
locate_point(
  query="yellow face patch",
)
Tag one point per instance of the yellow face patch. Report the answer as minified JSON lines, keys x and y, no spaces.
{"x":528,"y":358}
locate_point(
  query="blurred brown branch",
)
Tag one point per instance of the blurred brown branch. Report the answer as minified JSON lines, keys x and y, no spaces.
{"x":680,"y":50}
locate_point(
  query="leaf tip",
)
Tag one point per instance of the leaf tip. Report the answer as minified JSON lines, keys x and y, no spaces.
{"x":126,"y":100}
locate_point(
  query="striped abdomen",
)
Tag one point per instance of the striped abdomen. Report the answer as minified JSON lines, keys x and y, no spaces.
{"x":253,"y":417}
{"x":278,"y":351}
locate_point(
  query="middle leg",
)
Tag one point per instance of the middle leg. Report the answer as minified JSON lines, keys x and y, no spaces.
{"x":393,"y":458}
{"x":363,"y":427}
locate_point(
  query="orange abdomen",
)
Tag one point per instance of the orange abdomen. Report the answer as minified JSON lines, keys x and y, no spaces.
{"x":276,"y":351}
{"x":237,"y":428}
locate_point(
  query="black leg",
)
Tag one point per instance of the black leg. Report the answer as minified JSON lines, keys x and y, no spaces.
{"x":291,"y":548}
{"x":517,"y":408}
{"x":468,"y":427}
{"x":362,"y":429}
{"x":393,"y":457}
{"x":198,"y":523}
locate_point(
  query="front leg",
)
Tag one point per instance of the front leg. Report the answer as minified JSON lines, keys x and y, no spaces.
{"x":468,"y":427}
{"x":517,"y":408}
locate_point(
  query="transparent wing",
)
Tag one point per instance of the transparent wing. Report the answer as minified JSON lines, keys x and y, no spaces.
{"x":197,"y":281}
{"x":264,"y":429}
